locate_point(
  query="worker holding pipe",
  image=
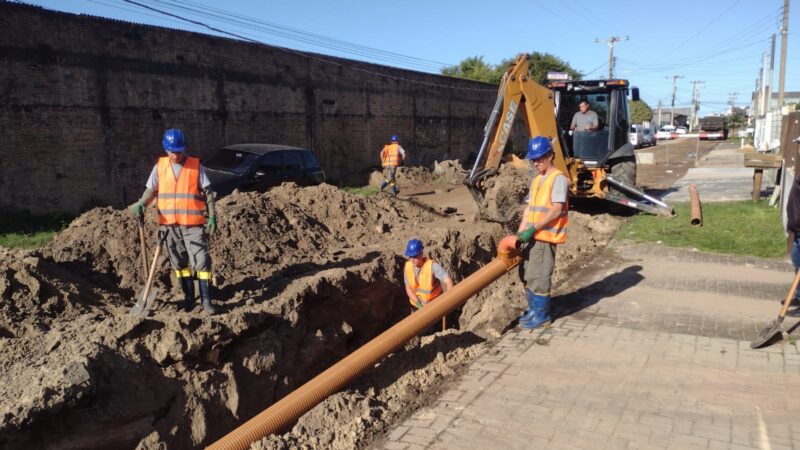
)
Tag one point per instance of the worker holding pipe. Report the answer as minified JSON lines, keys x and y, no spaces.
{"x":423,"y":276}
{"x":542,"y":228}
{"x":392,"y":156}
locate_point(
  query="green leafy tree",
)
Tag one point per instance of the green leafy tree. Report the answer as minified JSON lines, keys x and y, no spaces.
{"x":475,"y":68}
{"x":735,"y":121}
{"x":640,"y":111}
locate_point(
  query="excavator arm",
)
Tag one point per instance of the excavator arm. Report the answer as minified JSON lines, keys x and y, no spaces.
{"x":519,"y":94}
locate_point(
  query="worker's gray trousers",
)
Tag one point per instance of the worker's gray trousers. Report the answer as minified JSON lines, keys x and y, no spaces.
{"x":389,"y":174}
{"x":536,"y":270}
{"x":187,"y":247}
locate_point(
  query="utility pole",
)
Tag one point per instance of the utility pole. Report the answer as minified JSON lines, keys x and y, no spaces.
{"x":784,"y":35}
{"x":696,"y":84}
{"x":612,"y":41}
{"x":732,"y":101}
{"x":764,"y":87}
{"x":659,"y":113}
{"x":674,"y":91}
{"x":768,"y":89}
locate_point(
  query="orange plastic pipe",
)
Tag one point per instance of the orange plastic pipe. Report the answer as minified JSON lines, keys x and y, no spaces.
{"x":286,"y":411}
{"x":696,"y":211}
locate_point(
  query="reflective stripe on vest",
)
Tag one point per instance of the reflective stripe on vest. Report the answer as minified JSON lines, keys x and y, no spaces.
{"x":539,"y":204}
{"x":179,"y":199}
{"x":425,"y":285}
{"x":390,"y":155}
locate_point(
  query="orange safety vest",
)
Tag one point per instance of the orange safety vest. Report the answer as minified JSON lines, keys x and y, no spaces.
{"x":539,"y":203}
{"x":425,"y":285}
{"x":390,"y":155}
{"x":180,"y":201}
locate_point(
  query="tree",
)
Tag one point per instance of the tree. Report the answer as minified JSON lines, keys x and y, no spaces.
{"x":735,"y":121}
{"x":474,"y":68}
{"x":541,"y":63}
{"x":640,"y":111}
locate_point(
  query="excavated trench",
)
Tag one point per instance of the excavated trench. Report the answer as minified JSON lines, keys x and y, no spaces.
{"x":304,"y":276}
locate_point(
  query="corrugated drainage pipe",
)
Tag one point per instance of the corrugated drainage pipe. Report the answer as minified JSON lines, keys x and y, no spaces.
{"x":696,"y":212}
{"x":287,"y":410}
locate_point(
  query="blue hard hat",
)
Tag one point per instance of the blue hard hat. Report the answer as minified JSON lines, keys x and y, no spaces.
{"x":538,"y":147}
{"x":394,"y":138}
{"x":414,"y":248}
{"x":174,"y":141}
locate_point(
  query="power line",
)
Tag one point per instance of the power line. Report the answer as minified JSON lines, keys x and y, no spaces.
{"x":279,"y":30}
{"x":611,"y":42}
{"x":689,"y":39}
{"x":293,"y":33}
{"x":309,"y":55}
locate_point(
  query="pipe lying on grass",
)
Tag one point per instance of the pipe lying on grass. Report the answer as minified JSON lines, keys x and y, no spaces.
{"x":286,"y":411}
{"x":697,"y":212}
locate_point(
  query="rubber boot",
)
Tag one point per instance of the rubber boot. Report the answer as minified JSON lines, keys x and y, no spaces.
{"x":384,"y":184}
{"x":187,"y":286}
{"x":205,"y":296}
{"x":394,"y":190}
{"x":541,"y":309}
{"x":529,"y":313}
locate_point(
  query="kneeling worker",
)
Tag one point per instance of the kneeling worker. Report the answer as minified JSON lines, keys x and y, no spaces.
{"x":423,"y":276}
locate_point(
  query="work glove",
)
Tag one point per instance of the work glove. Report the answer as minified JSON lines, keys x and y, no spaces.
{"x":211,"y":226}
{"x":526,"y":235}
{"x":137,"y":209}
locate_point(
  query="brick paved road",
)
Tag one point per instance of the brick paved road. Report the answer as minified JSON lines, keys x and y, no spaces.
{"x":652,"y":354}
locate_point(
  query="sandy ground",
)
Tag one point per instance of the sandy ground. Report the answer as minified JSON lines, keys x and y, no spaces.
{"x":303,"y":277}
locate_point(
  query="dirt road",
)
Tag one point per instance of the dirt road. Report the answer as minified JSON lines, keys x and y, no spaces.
{"x":672,"y":159}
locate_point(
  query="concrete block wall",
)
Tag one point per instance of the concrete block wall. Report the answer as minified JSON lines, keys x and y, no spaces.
{"x":84,"y":102}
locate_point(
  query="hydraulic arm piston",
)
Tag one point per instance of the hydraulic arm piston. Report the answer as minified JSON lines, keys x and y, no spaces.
{"x":287,"y":410}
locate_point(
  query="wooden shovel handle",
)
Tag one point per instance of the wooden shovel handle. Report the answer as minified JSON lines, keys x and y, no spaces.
{"x":790,"y":296}
{"x":152,"y":272}
{"x":142,"y":245}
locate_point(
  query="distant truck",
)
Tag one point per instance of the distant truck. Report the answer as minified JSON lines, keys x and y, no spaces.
{"x":713,"y":127}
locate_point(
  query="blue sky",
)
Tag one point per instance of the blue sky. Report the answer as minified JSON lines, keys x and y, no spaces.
{"x":718,"y":42}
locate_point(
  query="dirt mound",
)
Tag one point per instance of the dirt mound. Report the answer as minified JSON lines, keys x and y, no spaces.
{"x":449,"y":171}
{"x":35,"y":292}
{"x":505,"y":195}
{"x":304,"y":276}
{"x":259,"y":234}
{"x":445,"y":172}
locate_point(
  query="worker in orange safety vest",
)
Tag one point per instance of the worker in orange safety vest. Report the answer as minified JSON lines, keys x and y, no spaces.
{"x":543,"y":226}
{"x":423,"y":276}
{"x":183,"y":196}
{"x":392,"y":157}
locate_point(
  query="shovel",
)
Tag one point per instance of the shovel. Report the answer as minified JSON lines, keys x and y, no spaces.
{"x":773,"y":330}
{"x":142,"y":245}
{"x":146,"y":297}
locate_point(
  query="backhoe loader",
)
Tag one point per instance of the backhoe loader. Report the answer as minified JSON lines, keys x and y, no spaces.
{"x":599,"y":164}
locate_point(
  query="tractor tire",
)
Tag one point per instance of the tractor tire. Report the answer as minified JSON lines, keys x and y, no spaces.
{"x":624,"y":170}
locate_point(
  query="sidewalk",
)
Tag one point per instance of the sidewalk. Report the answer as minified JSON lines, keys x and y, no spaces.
{"x":719,"y":176}
{"x":653,"y":353}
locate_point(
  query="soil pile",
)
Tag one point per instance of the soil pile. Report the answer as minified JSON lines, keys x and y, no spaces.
{"x":445,"y":172}
{"x":304,"y":276}
{"x":505,"y":195}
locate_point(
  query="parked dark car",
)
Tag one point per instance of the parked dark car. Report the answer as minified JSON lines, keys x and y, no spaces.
{"x":257,"y":167}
